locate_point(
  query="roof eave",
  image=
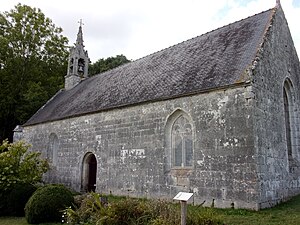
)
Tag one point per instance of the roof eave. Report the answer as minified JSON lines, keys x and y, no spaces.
{"x":245,"y":82}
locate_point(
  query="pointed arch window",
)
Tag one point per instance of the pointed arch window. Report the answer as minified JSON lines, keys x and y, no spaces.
{"x":287,"y":119}
{"x":181,"y":142}
{"x":290,"y":121}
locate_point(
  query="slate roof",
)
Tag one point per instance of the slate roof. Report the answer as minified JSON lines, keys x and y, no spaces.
{"x":213,"y":60}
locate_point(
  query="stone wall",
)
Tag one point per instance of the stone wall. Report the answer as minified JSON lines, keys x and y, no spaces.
{"x":132,"y":149}
{"x":277,"y":62}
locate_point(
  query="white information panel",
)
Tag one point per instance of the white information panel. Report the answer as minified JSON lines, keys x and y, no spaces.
{"x":183,"y":196}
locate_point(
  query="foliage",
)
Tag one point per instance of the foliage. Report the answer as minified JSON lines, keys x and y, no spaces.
{"x":90,"y":210}
{"x":3,"y":203}
{"x":203,"y":216}
{"x":133,"y":212}
{"x":109,"y":63}
{"x":127,"y":211}
{"x":163,"y":212}
{"x":19,"y":170}
{"x":286,"y":213}
{"x":17,"y":166}
{"x":47,"y":203}
{"x":18,"y":221}
{"x":33,"y":62}
{"x":18,"y":197}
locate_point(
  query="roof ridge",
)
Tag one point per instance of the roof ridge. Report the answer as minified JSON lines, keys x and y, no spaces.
{"x":208,"y":32}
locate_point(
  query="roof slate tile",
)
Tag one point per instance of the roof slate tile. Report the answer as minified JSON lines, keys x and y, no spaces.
{"x":216,"y":59}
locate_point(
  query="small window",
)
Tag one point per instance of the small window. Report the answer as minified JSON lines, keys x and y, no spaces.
{"x":290,"y":123}
{"x":81,"y":65}
{"x":182,"y":143}
{"x":53,"y":149}
{"x":287,"y":124}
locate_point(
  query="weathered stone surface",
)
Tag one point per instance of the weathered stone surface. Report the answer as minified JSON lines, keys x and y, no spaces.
{"x":276,"y":62}
{"x":129,"y":145}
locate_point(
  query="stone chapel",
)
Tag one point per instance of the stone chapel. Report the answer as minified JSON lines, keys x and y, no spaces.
{"x":216,"y":115}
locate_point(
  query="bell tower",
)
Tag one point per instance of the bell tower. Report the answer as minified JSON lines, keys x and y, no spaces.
{"x":78,"y":62}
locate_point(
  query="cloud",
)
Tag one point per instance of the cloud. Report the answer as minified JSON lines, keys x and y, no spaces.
{"x":137,"y":28}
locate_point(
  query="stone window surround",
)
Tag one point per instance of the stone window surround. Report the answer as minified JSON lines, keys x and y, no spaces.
{"x":84,"y":168}
{"x":181,"y":143}
{"x":292,"y":144}
{"x":53,"y":147}
{"x":171,"y":119}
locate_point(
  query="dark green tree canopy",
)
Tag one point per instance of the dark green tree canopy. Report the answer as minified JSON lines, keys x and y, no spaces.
{"x":109,"y":63}
{"x":33,"y":62}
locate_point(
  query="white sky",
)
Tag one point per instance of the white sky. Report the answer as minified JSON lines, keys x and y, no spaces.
{"x":136,"y":28}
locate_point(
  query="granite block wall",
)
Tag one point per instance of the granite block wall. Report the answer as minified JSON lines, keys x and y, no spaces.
{"x":133,"y":151}
{"x":276,"y":64}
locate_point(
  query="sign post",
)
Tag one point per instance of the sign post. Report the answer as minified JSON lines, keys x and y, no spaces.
{"x":183,"y":197}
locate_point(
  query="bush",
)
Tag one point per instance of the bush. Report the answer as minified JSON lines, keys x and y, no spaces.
{"x":136,"y":212}
{"x":203,"y":216}
{"x":89,"y":211}
{"x":129,"y":210}
{"x":18,"y":169}
{"x":46,"y":204}
{"x":124,"y":211}
{"x":164,"y":213}
{"x":3,"y":202}
{"x":19,"y":166}
{"x":18,"y":197}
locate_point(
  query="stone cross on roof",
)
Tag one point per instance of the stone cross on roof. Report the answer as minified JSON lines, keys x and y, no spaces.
{"x":278,"y":3}
{"x":79,"y":40}
{"x":80,"y":22}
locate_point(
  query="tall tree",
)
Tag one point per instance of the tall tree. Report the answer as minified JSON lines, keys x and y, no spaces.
{"x":33,"y":62}
{"x":109,"y":63}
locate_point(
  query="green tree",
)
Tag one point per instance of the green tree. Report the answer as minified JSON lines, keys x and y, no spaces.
{"x":109,"y":63}
{"x":18,"y":166}
{"x":33,"y":62}
{"x":19,"y":171}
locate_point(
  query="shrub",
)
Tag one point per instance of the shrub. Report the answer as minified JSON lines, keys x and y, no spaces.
{"x":122,"y":212}
{"x":18,"y":169}
{"x":164,"y":213}
{"x":129,"y":210}
{"x":136,"y":212}
{"x":47,"y":203}
{"x":78,"y":199}
{"x":18,"y":197}
{"x":90,"y":210}
{"x":203,"y":216}
{"x":3,"y":202}
{"x":18,"y":166}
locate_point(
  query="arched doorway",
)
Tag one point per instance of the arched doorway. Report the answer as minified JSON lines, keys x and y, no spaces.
{"x":89,"y":173}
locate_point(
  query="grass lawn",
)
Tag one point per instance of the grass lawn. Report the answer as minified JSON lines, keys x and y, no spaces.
{"x":18,"y":221}
{"x":287,"y":213}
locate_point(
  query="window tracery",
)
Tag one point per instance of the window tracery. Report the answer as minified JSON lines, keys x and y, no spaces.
{"x":180,"y":140}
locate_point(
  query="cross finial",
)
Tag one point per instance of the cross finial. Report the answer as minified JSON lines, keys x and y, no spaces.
{"x":278,"y":3}
{"x":80,"y":22}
